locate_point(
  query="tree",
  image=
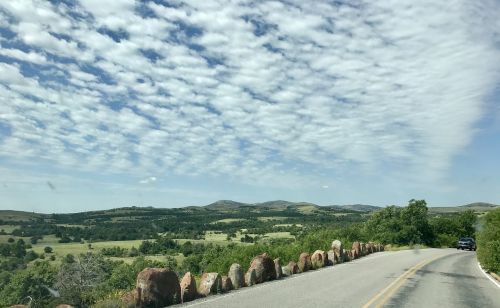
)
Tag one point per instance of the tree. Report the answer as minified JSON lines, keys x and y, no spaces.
{"x":488,"y":243}
{"x":33,"y":282}
{"x":403,"y":226}
{"x":76,"y":280}
{"x":68,"y":259}
{"x":415,"y":223}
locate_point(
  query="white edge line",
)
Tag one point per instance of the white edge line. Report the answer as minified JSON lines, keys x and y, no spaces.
{"x":488,"y":276}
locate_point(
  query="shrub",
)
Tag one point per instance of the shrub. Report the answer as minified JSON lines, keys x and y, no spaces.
{"x":488,"y":242}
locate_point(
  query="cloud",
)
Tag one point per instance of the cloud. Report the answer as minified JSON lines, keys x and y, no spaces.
{"x":148,"y":180}
{"x":266,"y":93}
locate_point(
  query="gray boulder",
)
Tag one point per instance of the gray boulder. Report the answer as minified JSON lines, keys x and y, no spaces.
{"x":236,"y":276}
{"x":210,"y":283}
{"x":250,"y":278}
{"x":277,"y":267}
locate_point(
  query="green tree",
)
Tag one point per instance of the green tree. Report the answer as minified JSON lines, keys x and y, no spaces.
{"x":416,"y":226}
{"x":32,"y":284}
{"x":488,"y":243}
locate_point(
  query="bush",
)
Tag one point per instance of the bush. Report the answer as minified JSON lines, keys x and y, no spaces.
{"x":47,"y":249}
{"x":488,"y":242}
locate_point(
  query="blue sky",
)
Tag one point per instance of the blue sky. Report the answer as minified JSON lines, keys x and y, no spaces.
{"x":153,"y":104}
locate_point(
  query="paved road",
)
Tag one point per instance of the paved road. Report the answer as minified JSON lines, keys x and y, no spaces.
{"x":411,"y":278}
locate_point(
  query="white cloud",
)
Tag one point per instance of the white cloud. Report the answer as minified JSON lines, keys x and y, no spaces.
{"x":267,"y":93}
{"x":148,"y":180}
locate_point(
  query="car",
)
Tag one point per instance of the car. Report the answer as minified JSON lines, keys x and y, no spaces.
{"x":466,"y":243}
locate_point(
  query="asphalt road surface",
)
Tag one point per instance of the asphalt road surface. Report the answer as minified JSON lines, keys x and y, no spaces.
{"x":410,"y":278}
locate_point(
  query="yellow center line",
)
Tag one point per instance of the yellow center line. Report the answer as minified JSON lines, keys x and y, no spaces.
{"x":389,"y":291}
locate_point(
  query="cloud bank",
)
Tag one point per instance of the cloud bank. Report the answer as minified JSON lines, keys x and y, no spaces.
{"x":265,"y":92}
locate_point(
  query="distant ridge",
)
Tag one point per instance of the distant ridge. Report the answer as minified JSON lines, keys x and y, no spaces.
{"x":479,"y":204}
{"x":230,"y":205}
{"x":357,"y":207}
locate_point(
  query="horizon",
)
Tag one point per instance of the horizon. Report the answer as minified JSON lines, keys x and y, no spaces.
{"x":184,"y":103}
{"x":246,"y":204}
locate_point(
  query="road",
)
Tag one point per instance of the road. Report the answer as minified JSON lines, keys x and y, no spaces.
{"x":410,"y":278}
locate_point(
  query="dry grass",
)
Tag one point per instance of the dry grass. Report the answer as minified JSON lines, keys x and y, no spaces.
{"x":270,"y":218}
{"x":8,"y":228}
{"x":228,"y":220}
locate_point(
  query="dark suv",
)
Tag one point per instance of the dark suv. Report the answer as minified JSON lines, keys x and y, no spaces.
{"x":466,"y":243}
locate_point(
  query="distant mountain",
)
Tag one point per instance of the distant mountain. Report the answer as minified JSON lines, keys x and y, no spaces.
{"x":480,"y":205}
{"x":225,"y":205}
{"x":284,"y":205}
{"x":277,"y":204}
{"x":356,"y":207}
{"x":11,"y":215}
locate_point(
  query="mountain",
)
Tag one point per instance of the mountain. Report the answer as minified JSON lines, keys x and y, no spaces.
{"x":480,"y":205}
{"x":223,"y":205}
{"x":277,"y":204}
{"x":361,"y":207}
{"x":355,"y":207}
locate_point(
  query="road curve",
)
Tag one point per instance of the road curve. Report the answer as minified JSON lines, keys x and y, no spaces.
{"x":410,"y":278}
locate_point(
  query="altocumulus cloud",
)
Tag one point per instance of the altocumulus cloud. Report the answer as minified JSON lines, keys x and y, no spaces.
{"x":265,"y":92}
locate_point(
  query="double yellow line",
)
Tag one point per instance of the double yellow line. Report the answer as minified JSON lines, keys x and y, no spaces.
{"x":383,"y":296}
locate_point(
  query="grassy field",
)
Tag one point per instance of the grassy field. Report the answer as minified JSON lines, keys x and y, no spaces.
{"x":4,"y":238}
{"x":61,"y":249}
{"x":288,"y":225}
{"x":228,"y":220}
{"x":307,"y":209}
{"x":8,"y":228}
{"x":179,"y":258}
{"x":270,"y":218}
{"x":8,"y":215}
{"x":278,"y":235}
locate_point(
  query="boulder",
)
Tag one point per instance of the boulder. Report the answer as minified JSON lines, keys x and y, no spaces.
{"x":354,"y":254}
{"x":332,"y":259}
{"x":157,"y":287}
{"x":18,"y":306}
{"x":210,"y":283}
{"x":349,"y":255}
{"x":188,"y":288}
{"x":227,"y":284}
{"x":264,"y":268}
{"x":338,"y":250}
{"x":293,"y":267}
{"x":345,"y":254}
{"x":356,"y":246}
{"x":64,"y":306}
{"x":285,"y":270}
{"x":304,"y":263}
{"x":319,"y":259}
{"x":363,"y":249}
{"x":236,"y":276}
{"x":250,"y":278}
{"x":277,"y":267}
{"x":371,"y":247}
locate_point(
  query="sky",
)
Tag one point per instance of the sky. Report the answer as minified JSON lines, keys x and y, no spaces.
{"x":178,"y":103}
